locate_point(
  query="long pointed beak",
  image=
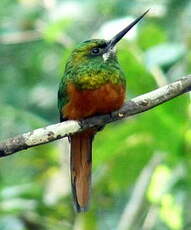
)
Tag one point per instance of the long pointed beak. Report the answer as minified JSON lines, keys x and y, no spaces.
{"x":122,"y":33}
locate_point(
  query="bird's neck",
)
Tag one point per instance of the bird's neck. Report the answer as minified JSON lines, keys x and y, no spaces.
{"x":94,"y":75}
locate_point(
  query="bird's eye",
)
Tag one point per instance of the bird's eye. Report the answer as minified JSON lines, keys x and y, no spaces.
{"x":95,"y":51}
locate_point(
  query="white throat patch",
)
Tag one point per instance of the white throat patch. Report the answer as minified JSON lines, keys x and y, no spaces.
{"x":108,"y":54}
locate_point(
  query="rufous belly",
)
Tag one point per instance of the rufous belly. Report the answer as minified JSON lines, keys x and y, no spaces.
{"x":85,"y":103}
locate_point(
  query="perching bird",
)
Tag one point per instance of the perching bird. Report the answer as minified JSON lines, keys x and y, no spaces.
{"x":93,"y":83}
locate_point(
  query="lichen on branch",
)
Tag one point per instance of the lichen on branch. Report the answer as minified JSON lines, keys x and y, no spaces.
{"x":134,"y":106}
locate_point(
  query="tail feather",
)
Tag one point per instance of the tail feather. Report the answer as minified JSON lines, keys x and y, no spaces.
{"x":81,"y":164}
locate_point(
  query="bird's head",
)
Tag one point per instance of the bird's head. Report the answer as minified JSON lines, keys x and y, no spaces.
{"x":99,"y":50}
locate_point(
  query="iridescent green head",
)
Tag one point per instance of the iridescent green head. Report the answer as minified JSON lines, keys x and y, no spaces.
{"x":98,"y":49}
{"x":93,"y":62}
{"x":91,"y":50}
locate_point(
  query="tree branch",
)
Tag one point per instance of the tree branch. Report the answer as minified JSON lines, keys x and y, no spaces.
{"x":57,"y":131}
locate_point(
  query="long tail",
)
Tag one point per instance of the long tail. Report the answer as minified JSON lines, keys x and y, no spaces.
{"x":80,"y":166}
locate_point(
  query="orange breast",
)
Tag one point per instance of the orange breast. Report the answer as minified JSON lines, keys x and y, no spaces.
{"x":85,"y":103}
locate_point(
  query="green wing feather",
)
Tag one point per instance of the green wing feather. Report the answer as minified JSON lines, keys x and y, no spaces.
{"x":63,"y":98}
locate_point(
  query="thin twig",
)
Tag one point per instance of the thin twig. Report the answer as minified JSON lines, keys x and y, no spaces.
{"x":136,"y":105}
{"x":20,"y":37}
{"x":31,"y":36}
{"x":131,"y":211}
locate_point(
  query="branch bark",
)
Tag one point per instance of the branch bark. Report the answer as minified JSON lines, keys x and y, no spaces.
{"x":57,"y":131}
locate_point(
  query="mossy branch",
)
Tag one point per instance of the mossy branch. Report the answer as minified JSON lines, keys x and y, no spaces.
{"x":57,"y":131}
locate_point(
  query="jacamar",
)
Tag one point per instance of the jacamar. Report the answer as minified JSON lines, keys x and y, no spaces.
{"x":93,"y":83}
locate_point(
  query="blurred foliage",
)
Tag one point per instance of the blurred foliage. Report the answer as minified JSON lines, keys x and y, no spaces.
{"x":36,"y":37}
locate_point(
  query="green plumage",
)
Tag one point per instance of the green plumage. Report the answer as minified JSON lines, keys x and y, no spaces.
{"x":93,"y":83}
{"x":88,"y":71}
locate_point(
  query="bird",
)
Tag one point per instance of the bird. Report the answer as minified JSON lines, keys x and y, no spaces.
{"x":93,"y":83}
